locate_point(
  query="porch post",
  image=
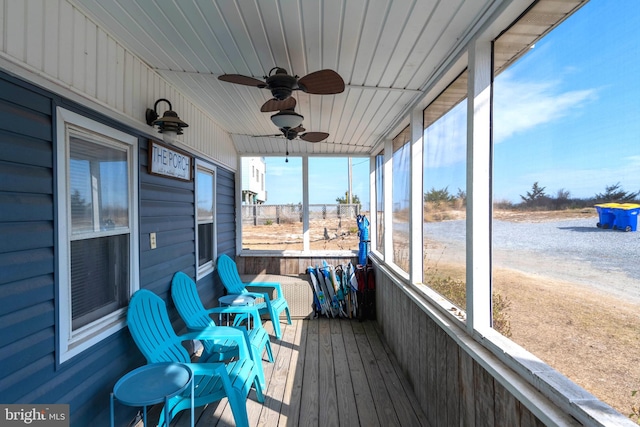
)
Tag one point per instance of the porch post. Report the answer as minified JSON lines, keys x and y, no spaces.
{"x":478,"y":243}
{"x":387,"y":244}
{"x":305,"y":204}
{"x":238,"y":200}
{"x":416,"y":269}
{"x":373,"y":205}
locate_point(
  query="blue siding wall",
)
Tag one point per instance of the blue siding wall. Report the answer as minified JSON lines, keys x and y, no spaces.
{"x":28,"y":370}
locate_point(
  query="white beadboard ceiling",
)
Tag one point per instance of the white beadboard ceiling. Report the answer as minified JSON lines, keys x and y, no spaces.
{"x":385,"y":50}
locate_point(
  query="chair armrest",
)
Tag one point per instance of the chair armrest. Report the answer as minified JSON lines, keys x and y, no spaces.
{"x":275,"y":285}
{"x":207,"y":369}
{"x":263,"y":295}
{"x":235,"y":309}
{"x":219,"y":333}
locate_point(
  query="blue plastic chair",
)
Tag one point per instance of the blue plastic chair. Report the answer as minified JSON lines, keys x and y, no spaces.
{"x":186,"y":299}
{"x":228,"y":272}
{"x":153,"y":333}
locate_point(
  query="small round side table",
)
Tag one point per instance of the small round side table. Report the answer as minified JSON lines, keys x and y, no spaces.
{"x":237,"y":300}
{"x":151,"y":384}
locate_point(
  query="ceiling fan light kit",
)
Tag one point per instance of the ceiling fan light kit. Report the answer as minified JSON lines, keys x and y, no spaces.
{"x":287,"y":119}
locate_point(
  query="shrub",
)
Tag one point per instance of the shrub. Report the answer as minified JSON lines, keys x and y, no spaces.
{"x":456,"y":292}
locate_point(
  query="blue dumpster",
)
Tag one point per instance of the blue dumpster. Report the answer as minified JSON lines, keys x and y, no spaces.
{"x":606,"y":215}
{"x":626,"y":216}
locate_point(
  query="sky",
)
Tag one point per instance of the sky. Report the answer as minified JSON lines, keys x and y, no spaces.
{"x":328,"y":179}
{"x":566,"y":115}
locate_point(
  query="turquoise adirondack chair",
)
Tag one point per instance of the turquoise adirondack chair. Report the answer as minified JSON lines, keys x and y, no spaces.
{"x":186,"y":299}
{"x":228,"y":272}
{"x":152,"y":332}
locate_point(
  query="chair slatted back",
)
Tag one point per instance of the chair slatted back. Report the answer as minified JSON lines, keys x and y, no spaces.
{"x":185,"y":296}
{"x":228,"y":272}
{"x":151,"y":329}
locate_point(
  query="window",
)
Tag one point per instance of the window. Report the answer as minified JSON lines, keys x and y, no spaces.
{"x":444,"y":198}
{"x":205,"y":217}
{"x":565,"y":134}
{"x":97,"y":213}
{"x":401,"y":196}
{"x":380,"y":202}
{"x":275,"y":224}
{"x":333,"y":209}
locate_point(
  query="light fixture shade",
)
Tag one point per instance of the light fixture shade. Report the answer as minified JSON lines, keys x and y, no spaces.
{"x":287,"y":119}
{"x":170,"y":122}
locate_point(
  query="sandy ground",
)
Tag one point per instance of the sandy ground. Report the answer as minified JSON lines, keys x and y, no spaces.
{"x":586,"y":334}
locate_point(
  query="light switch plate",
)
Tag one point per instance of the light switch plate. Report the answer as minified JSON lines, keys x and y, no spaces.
{"x":152,"y":240}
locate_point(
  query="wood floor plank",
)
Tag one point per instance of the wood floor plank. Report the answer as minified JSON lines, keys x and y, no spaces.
{"x":367,"y":414}
{"x":278,"y":378}
{"x":328,"y":410}
{"x":291,"y":401}
{"x":410,"y":392}
{"x":398,"y":392}
{"x":309,"y":413}
{"x":386,"y":414}
{"x":347,"y":409}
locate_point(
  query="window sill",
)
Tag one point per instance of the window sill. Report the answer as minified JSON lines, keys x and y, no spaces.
{"x":297,"y":254}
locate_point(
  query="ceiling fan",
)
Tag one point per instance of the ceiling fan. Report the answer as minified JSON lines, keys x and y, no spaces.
{"x":299,"y":133}
{"x":282,"y":85}
{"x":290,"y":124}
{"x":295,"y":133}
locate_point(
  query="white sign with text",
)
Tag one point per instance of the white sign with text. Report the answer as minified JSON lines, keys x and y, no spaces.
{"x":167,"y":162}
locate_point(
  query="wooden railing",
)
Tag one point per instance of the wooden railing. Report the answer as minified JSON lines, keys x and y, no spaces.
{"x":264,"y":214}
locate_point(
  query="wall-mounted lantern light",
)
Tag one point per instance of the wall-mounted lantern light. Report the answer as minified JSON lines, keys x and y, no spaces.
{"x":169,"y":123}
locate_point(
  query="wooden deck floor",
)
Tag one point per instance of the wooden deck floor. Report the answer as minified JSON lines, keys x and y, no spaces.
{"x":335,"y":372}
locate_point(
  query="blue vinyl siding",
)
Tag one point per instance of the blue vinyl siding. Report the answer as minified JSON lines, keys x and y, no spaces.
{"x":27,"y":311}
{"x":28,"y":369}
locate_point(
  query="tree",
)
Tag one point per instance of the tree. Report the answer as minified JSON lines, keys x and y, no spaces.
{"x":615,"y":193}
{"x":344,"y":200}
{"x":563,"y":194}
{"x":438,"y":196}
{"x":534,"y":195}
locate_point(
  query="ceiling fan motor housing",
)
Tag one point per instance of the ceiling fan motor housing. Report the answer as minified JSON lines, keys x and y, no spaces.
{"x":281,"y":85}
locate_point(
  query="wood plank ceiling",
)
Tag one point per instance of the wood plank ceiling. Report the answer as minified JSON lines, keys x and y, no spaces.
{"x":385,"y":50}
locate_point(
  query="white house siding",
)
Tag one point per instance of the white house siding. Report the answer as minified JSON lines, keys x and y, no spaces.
{"x":53,"y":44}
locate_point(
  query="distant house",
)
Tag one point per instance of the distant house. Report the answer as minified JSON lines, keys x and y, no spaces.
{"x":253,"y":184}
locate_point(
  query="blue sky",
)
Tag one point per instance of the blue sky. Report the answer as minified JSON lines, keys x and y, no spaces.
{"x":566,"y":115}
{"x":328,"y":179}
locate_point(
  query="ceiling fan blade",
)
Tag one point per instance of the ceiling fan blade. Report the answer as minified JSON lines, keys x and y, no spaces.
{"x":276,"y":105}
{"x":314,"y":136}
{"x":323,"y":82}
{"x":267,"y":136}
{"x":242,"y":80}
{"x":298,"y":129}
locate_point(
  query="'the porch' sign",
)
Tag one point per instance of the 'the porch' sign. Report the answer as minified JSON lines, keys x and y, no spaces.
{"x":167,"y":161}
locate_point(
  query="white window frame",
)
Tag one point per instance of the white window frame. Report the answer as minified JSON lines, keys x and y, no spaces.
{"x":208,"y":267}
{"x":71,"y":343}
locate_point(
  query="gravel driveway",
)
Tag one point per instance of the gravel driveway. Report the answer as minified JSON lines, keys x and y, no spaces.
{"x":574,"y":250}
